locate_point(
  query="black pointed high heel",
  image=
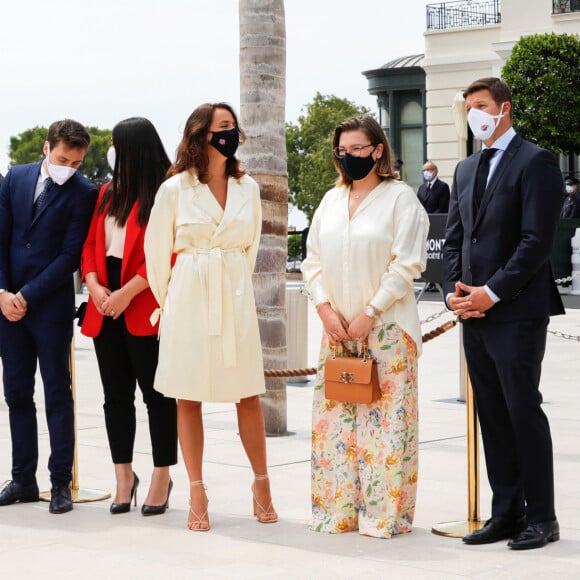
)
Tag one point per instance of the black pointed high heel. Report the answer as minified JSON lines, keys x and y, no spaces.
{"x":123,"y":508}
{"x":157,"y":510}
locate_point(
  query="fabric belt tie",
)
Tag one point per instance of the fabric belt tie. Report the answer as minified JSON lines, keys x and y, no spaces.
{"x":221,"y":321}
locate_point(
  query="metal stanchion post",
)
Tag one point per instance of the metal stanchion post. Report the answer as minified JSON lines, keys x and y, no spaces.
{"x":460,"y":529}
{"x":78,"y":495}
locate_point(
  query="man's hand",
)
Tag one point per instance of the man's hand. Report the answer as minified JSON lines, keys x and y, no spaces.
{"x":472,"y":305}
{"x":13,"y":306}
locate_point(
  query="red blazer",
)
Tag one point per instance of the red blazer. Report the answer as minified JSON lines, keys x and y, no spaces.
{"x":94,"y":260}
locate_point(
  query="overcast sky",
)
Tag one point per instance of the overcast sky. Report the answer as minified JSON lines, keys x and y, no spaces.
{"x":101,"y":61}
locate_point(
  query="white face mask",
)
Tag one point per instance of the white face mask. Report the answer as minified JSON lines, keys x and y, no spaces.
{"x":483,"y":124}
{"x":59,"y":173}
{"x":111,"y":157}
{"x":569,"y":189}
{"x":428,"y":175}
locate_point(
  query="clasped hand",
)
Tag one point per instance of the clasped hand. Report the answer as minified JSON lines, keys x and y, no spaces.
{"x":469,"y":301}
{"x":338,"y":329}
{"x":14,"y":307}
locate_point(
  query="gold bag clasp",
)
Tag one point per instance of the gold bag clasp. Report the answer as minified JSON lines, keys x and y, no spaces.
{"x":346,"y":377}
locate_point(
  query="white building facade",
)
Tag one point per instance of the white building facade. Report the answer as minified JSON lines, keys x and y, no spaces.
{"x":466,"y":40}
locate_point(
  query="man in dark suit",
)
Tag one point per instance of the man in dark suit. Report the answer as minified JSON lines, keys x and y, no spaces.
{"x":571,"y":207}
{"x":502,"y":221}
{"x":434,"y":193}
{"x":45,"y":211}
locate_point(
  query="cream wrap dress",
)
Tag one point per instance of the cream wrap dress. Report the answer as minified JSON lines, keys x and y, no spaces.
{"x":209,"y":347}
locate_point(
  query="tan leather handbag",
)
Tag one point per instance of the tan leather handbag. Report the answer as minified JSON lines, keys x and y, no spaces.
{"x":351,"y":379}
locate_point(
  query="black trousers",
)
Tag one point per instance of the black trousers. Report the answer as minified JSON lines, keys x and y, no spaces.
{"x":504,"y":362}
{"x":124,"y":361}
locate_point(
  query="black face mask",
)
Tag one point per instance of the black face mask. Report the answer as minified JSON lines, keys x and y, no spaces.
{"x":357,"y":167}
{"x":226,"y":142}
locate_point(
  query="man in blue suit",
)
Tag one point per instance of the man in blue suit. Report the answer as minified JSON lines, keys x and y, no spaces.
{"x":45,"y":211}
{"x":502,"y":221}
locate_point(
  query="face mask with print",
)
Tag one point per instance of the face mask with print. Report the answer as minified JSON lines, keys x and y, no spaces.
{"x":59,"y":173}
{"x":111,"y":157}
{"x":483,"y":124}
{"x":226,"y":142}
{"x":428,"y":175}
{"x":357,"y":167}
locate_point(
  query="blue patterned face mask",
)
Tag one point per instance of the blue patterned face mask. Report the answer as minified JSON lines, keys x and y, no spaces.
{"x":226,"y":142}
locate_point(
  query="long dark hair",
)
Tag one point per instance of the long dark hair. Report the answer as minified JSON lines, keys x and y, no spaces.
{"x":140,"y":167}
{"x":192,"y":151}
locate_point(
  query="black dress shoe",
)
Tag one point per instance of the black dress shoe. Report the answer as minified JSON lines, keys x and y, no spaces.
{"x":124,"y":507}
{"x":157,"y":510}
{"x":13,"y":492}
{"x":60,"y":500}
{"x":496,"y":529}
{"x":536,"y":536}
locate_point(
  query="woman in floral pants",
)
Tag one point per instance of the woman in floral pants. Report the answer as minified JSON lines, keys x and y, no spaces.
{"x":365,"y":246}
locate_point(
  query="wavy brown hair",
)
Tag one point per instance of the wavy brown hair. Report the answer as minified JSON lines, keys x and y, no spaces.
{"x":367,"y":124}
{"x":192,"y":150}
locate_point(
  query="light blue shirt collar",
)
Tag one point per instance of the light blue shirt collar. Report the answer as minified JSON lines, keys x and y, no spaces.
{"x":502,"y":142}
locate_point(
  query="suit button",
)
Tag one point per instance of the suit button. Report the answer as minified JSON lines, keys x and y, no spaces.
{"x":474,"y":240}
{"x":29,"y":245}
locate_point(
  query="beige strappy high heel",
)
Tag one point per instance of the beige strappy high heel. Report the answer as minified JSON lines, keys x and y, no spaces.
{"x":264,"y":516}
{"x":202,"y":522}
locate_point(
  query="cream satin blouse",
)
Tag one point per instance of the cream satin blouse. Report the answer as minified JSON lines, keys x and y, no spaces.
{"x":371,"y":258}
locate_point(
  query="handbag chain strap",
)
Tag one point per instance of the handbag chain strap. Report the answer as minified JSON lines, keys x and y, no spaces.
{"x":365,"y":350}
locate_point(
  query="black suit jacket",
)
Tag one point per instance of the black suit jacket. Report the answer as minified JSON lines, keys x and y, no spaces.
{"x":571,"y":207}
{"x":39,"y":255}
{"x":507,"y":245}
{"x":435,"y":199}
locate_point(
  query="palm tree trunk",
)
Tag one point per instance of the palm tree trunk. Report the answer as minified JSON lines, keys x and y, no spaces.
{"x":262,"y":116}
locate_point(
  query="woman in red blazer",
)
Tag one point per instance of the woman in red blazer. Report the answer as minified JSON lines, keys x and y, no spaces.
{"x":120,"y":304}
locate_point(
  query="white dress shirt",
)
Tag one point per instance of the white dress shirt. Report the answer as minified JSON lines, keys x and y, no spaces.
{"x":371,"y":258}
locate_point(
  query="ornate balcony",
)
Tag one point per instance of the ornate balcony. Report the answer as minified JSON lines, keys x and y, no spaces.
{"x":465,"y":14}
{"x":565,"y":6}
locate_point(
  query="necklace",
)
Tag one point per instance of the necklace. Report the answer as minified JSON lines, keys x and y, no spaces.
{"x":356,"y":195}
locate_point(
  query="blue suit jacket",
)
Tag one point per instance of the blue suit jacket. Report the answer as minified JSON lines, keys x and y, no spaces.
{"x":38,"y":256}
{"x":508,"y":244}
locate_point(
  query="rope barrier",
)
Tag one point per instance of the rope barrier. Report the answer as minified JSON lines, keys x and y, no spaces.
{"x":282,"y":373}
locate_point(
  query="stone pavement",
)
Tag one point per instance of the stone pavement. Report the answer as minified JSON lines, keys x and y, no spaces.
{"x":89,"y":543}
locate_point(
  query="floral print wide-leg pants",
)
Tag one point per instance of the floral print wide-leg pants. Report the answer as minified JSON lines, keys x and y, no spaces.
{"x":364,"y":457}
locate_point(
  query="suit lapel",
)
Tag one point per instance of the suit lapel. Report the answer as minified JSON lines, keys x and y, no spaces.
{"x":470,"y":171}
{"x":53,"y":192}
{"x":497,"y":176}
{"x":29,"y":187}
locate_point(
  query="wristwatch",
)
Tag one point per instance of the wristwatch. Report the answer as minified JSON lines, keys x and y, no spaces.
{"x":370,"y":311}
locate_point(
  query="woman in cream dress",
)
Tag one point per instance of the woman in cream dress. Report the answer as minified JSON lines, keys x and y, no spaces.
{"x":201,"y":246}
{"x":365,"y":246}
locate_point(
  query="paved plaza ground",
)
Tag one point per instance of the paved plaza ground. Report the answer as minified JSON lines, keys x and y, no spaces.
{"x":89,"y":543}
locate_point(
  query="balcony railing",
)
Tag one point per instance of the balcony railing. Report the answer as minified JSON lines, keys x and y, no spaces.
{"x":463,"y":14}
{"x":565,"y":6}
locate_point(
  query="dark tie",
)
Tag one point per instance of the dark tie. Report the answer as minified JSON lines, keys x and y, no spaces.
{"x":482,"y":174}
{"x":38,"y":202}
